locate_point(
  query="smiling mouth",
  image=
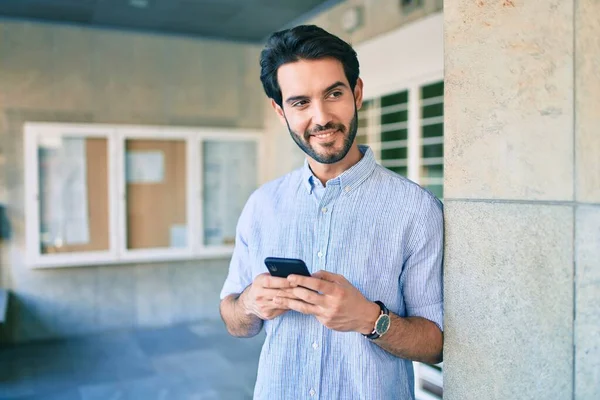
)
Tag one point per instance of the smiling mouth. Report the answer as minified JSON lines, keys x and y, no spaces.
{"x":325,"y":135}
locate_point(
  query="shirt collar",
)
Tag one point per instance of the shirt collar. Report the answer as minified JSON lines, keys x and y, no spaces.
{"x":349,"y":179}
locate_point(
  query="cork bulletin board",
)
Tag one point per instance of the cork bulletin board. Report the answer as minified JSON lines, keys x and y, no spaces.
{"x":156,"y":193}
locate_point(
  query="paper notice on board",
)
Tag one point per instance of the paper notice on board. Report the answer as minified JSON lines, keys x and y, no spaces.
{"x":63,"y":193}
{"x":145,"y":166}
{"x":178,"y":236}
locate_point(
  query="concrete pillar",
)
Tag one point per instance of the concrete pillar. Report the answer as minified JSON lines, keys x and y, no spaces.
{"x":522,"y":199}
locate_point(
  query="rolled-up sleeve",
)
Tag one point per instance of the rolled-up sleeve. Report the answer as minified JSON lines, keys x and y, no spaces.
{"x":240,"y":268}
{"x":421,"y":280}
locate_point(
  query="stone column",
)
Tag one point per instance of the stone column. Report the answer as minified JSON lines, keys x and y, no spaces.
{"x":522,"y":199}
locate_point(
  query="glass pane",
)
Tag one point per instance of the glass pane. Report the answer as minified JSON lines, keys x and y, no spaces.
{"x":433,"y":150}
{"x":394,"y":154}
{"x":433,"y":90}
{"x":399,"y":170}
{"x":433,"y":130}
{"x":437,"y":190}
{"x":432,"y":171}
{"x":394,"y":99}
{"x":156,"y":180}
{"x":394,"y":117}
{"x":229,"y":178}
{"x":433,"y":110}
{"x":73,"y":194}
{"x":400,"y":134}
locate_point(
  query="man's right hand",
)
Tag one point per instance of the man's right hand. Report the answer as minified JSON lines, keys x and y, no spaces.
{"x":257,"y":299}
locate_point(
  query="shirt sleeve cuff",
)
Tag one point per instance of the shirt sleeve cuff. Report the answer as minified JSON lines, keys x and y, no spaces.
{"x":432,"y":312}
{"x":231,"y":288}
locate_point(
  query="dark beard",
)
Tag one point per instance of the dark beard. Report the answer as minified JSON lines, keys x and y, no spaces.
{"x":305,"y":146}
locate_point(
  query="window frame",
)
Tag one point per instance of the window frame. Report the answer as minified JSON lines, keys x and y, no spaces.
{"x":414,"y":136}
{"x":116,"y":136}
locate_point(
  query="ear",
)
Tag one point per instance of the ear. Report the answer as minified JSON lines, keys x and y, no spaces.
{"x":358,"y":93}
{"x":278,"y":111}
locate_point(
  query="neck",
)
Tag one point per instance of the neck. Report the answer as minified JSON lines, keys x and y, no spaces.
{"x":325,"y":172}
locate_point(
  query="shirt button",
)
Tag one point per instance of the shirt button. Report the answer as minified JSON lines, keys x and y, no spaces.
{"x":347,"y":189}
{"x":320,"y":254}
{"x":324,"y":209}
{"x":315,"y":345}
{"x":312,"y":392}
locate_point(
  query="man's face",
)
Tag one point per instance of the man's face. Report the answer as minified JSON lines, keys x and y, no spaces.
{"x":319,"y":107}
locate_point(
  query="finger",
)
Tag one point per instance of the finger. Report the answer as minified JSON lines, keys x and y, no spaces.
{"x":273,"y":313}
{"x":309,"y":282}
{"x":286,"y":293}
{"x":309,"y":296}
{"x":279,"y":311}
{"x":329,"y":276}
{"x":274,"y":282}
{"x":297,"y":305}
{"x":270,"y":294}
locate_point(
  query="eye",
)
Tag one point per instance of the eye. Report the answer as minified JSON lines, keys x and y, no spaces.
{"x":300,"y":104}
{"x":336,"y":94}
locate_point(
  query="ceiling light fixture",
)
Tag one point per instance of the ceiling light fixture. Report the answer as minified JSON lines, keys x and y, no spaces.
{"x":138,"y":3}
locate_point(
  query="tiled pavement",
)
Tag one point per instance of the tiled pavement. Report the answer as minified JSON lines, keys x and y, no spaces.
{"x":188,"y":362}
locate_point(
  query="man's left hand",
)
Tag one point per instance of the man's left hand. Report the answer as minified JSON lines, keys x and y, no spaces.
{"x":332,"y":300}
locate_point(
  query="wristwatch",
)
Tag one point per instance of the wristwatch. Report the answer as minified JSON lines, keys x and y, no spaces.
{"x":382,"y":325}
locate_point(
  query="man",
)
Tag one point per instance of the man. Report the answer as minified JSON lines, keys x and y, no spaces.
{"x":366,"y":234}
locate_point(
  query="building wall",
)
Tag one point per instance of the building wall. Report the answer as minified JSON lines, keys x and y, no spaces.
{"x":71,"y":74}
{"x":522,"y":199}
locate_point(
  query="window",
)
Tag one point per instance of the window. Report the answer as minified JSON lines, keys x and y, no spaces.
{"x":224,"y":197}
{"x":99,"y":194}
{"x":431,"y":174}
{"x":405,"y":130}
{"x":429,"y":383}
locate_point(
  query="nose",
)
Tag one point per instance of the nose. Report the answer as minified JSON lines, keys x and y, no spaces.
{"x":321,"y":114}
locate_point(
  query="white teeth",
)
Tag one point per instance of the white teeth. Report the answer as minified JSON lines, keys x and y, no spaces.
{"x":324,"y":135}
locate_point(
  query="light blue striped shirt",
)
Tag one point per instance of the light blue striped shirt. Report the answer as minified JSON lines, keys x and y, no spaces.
{"x":380,"y":231}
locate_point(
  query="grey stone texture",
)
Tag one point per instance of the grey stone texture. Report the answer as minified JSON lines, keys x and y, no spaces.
{"x":509,"y":100}
{"x":508,"y":301}
{"x":587,"y":100}
{"x":587,"y":318}
{"x":522,"y":188}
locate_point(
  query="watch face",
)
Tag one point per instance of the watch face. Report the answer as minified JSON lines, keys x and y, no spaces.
{"x":383,"y":324}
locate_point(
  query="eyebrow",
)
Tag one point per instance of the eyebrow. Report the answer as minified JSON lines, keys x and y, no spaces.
{"x":292,"y":99}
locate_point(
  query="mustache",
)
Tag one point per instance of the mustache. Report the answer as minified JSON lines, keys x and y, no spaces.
{"x":322,"y":128}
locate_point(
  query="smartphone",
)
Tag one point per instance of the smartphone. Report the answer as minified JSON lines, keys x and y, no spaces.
{"x":282,"y":267}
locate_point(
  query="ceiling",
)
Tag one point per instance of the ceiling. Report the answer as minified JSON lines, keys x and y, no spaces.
{"x":238,"y":20}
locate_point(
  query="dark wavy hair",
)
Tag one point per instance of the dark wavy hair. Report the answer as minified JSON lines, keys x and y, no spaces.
{"x":308,"y":42}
